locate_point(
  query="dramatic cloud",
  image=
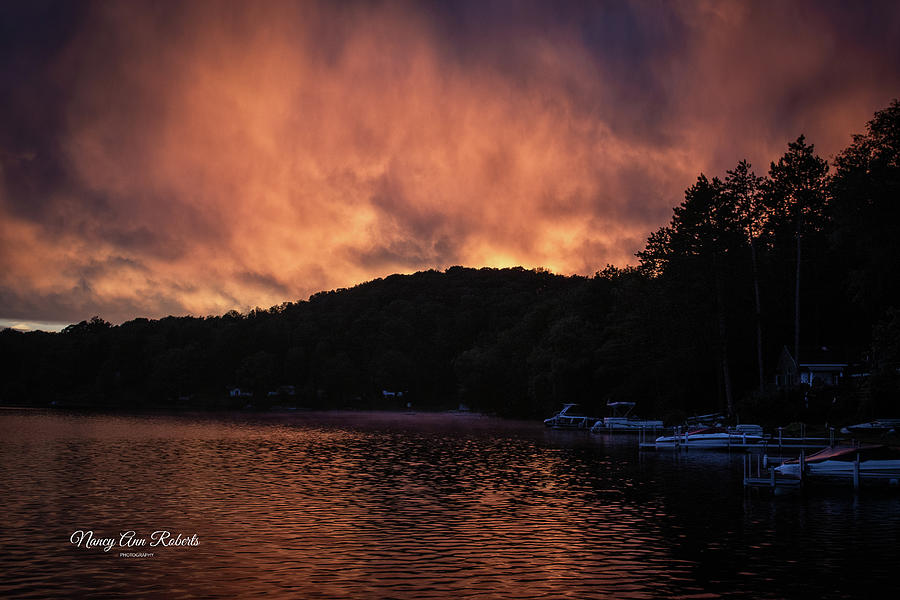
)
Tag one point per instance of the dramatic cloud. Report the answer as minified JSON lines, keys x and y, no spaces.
{"x":191,"y":158}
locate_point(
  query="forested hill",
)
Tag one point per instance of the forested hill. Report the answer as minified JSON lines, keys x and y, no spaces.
{"x":752,"y":272}
{"x":508,"y":340}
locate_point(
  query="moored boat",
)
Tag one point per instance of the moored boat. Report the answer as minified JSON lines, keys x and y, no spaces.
{"x":568,"y":418}
{"x":625,"y":424}
{"x":624,"y":421}
{"x":876,"y":461}
{"x":712,"y":437}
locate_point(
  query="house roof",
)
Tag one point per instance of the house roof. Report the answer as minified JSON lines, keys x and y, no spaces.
{"x":811,"y":356}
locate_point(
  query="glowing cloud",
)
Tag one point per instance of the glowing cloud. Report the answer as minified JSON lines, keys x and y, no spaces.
{"x":217,"y":156}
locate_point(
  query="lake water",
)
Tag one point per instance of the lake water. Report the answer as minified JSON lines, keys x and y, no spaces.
{"x":355,"y":505}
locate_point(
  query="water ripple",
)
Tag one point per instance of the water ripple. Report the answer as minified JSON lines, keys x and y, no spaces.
{"x":408,"y":506}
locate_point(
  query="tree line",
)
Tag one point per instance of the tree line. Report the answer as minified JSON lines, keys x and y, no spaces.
{"x":797,"y":258}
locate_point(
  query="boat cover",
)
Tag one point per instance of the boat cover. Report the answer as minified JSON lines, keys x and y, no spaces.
{"x":848,"y":454}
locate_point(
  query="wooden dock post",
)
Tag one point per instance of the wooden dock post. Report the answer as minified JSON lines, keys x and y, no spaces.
{"x":856,"y":472}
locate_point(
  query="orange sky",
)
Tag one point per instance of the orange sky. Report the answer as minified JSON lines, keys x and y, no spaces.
{"x":221,"y":156}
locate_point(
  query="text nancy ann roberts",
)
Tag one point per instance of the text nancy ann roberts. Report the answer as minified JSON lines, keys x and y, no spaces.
{"x":129,"y":539}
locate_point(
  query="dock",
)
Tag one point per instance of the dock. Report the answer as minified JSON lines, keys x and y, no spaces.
{"x":772,"y":482}
{"x":786,"y":445}
{"x":765,"y":477}
{"x":779,"y":445}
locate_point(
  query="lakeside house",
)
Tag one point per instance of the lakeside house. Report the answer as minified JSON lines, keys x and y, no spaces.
{"x":819,"y":367}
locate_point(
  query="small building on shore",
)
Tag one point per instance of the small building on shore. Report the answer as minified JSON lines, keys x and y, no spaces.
{"x":817,"y":367}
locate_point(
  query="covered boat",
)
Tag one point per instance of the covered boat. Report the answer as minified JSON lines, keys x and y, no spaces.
{"x":876,"y":461}
{"x":711,"y":437}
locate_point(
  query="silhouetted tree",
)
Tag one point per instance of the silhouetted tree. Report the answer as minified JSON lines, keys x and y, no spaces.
{"x":797,"y":194}
{"x":744,"y":190}
{"x":866,"y":210}
{"x":703,"y":231}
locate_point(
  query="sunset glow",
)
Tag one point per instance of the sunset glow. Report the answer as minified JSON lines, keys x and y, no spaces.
{"x":197,"y":158}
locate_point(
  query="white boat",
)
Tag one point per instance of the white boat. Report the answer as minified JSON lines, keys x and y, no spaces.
{"x":620,"y":421}
{"x":625,"y":424}
{"x":712,"y":437}
{"x":568,"y":418}
{"x":875,"y":462}
{"x":748,"y":429}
